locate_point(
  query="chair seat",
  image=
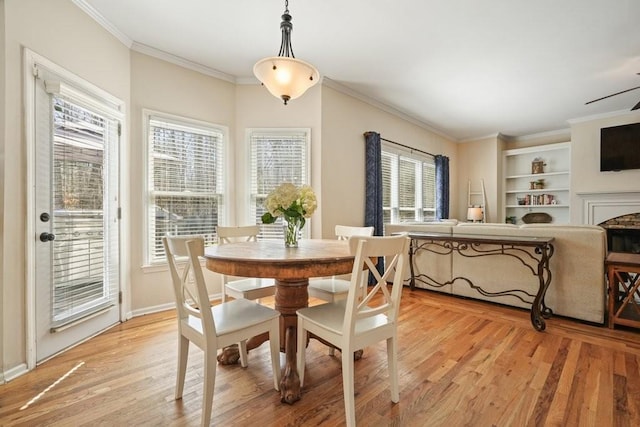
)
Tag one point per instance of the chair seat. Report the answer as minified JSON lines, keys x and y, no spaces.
{"x":250,"y":288}
{"x":330,"y":316}
{"x":329,"y":289}
{"x":239,"y":314}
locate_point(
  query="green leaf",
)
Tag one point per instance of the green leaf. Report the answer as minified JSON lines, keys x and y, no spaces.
{"x":267,"y":218}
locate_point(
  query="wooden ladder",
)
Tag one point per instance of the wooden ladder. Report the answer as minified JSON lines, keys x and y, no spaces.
{"x":477,"y":199}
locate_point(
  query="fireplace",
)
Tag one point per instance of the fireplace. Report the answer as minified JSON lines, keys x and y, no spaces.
{"x":618,"y":213}
{"x":623,"y":233}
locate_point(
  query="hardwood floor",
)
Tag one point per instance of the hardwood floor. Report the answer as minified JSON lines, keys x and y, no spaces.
{"x":461,"y":363}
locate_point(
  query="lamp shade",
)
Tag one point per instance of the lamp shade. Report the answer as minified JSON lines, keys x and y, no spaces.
{"x":474,"y":214}
{"x":286,"y":78}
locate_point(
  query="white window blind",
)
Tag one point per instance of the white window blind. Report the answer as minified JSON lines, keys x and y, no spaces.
{"x":185,"y":180}
{"x":277,"y":156}
{"x":408,"y":185}
{"x":85,"y":176}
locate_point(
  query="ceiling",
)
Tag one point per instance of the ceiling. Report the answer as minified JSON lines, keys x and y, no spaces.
{"x":466,"y":68}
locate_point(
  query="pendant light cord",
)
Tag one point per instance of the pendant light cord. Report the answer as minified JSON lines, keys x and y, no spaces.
{"x":286,"y":26}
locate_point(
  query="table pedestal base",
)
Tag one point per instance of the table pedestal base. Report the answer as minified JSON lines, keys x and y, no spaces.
{"x":290,"y":296}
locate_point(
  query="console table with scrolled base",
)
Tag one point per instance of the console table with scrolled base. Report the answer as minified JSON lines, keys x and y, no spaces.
{"x":535,"y":261}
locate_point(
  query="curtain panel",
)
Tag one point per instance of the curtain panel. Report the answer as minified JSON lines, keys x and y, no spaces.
{"x":373,"y":190}
{"x":442,"y":186}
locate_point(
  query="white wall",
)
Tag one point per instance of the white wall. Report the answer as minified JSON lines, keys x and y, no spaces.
{"x":59,"y":31}
{"x":344,"y":121}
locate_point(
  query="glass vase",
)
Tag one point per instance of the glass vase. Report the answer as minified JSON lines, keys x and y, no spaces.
{"x":292,"y":227}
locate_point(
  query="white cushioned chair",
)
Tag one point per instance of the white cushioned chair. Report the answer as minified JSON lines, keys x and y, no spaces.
{"x":334,"y":288}
{"x":355,"y":322}
{"x":213,"y":328}
{"x":251,"y":287}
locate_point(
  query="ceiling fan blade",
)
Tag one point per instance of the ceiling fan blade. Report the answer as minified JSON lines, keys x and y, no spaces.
{"x":635,"y":107}
{"x":613,"y":94}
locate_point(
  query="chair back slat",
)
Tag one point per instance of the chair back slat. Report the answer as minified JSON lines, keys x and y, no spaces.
{"x":343,"y":232}
{"x":188,"y":281}
{"x":247,"y":233}
{"x":195,"y":248}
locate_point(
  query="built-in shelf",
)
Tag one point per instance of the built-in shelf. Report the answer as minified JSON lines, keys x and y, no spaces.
{"x":542,"y":191}
{"x":521,"y":183}
{"x":537,"y":175}
{"x":536,"y":206}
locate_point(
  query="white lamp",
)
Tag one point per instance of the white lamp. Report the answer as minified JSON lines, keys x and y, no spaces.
{"x":474,"y":214}
{"x":285,"y":76}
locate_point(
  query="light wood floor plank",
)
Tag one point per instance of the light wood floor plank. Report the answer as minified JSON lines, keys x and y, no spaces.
{"x":461,"y":362}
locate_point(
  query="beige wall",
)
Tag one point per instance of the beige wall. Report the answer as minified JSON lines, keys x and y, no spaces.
{"x":3,"y":137}
{"x":344,"y":121}
{"x":167,"y":88}
{"x":585,"y":161}
{"x":480,"y":160}
{"x":257,"y":108}
{"x":59,"y":31}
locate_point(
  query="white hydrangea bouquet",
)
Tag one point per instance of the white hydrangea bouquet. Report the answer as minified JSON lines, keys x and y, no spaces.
{"x":294,"y":205}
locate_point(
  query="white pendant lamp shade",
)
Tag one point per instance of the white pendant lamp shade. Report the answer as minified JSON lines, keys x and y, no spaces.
{"x":286,"y":78}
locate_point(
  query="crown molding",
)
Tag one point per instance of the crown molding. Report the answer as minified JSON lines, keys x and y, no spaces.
{"x":481,"y":138}
{"x":566,"y":132}
{"x":185,"y":63}
{"x":247,"y":81}
{"x":611,"y":114}
{"x":97,"y":16}
{"x":326,"y":81}
{"x":148,"y":50}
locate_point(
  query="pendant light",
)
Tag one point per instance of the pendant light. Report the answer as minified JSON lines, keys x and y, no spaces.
{"x":285,"y":76}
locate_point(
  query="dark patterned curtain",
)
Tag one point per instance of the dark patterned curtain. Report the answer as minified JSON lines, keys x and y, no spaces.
{"x":373,"y":189}
{"x":442,"y":186}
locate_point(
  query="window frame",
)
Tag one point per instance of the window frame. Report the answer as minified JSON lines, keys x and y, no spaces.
{"x":420,"y":160}
{"x":223,"y":174}
{"x":275,"y":234}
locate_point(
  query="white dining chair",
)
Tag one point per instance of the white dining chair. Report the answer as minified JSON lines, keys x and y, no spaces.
{"x":334,"y":288}
{"x":252,"y":288}
{"x":354,"y":323}
{"x":212,"y":328}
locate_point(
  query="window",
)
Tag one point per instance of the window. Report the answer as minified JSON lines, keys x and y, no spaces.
{"x":408,"y":186}
{"x":277,"y":156}
{"x":185,"y":179}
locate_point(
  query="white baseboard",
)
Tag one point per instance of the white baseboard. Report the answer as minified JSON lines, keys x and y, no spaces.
{"x":13,"y":373}
{"x":162,"y":307}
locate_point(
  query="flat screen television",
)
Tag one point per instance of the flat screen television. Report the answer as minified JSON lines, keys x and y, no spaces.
{"x":620,"y":147}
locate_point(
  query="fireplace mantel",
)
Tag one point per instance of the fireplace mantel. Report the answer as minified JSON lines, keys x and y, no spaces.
{"x":600,"y":206}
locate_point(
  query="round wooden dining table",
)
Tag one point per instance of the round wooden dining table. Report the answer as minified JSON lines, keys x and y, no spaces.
{"x":291,"y":268}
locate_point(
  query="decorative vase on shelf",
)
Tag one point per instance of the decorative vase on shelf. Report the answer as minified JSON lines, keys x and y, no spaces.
{"x":292,"y":228}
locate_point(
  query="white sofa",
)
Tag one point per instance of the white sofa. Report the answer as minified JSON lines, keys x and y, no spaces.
{"x":577,"y":288}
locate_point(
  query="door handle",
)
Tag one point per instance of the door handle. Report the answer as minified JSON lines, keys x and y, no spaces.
{"x":47,"y":237}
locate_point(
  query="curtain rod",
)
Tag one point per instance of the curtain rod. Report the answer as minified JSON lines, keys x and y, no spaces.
{"x":406,"y":146}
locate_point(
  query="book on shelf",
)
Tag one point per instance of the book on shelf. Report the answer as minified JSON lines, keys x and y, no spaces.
{"x":538,"y":200}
